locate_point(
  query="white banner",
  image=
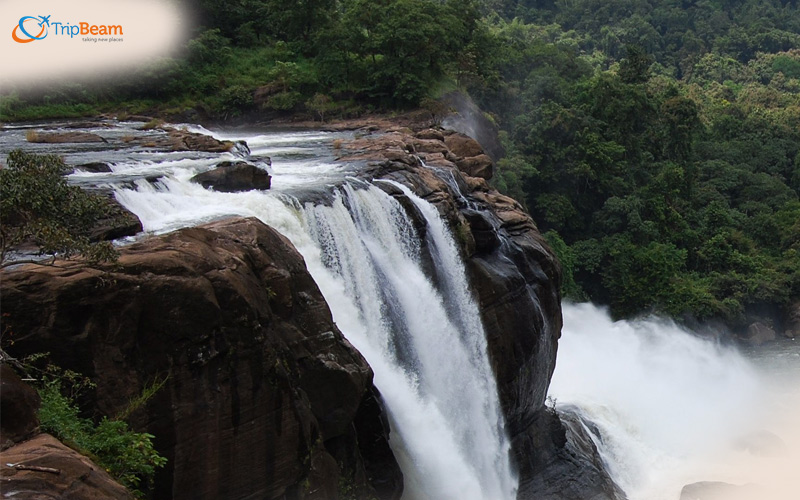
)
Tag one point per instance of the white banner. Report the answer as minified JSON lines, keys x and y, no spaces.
{"x":50,"y":40}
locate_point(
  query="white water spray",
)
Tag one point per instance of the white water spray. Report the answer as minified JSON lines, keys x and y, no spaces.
{"x":670,"y":406}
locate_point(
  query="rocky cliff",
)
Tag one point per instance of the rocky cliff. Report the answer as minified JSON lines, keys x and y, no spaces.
{"x":515,"y":277}
{"x":264,"y":397}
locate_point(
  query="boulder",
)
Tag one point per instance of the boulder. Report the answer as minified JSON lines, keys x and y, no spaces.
{"x":232,"y":177}
{"x":430,"y":133}
{"x":568,"y":463}
{"x":48,"y":469}
{"x":477,"y":166}
{"x":63,"y":137}
{"x":19,"y":405}
{"x":118,"y":222}
{"x":264,"y":397}
{"x":759,"y":333}
{"x":428,"y":146}
{"x":183,"y":140}
{"x":94,"y":167}
{"x":463,"y":145}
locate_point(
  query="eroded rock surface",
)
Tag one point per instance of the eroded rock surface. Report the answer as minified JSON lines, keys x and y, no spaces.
{"x":264,"y":397}
{"x":51,"y":470}
{"x":64,"y":137}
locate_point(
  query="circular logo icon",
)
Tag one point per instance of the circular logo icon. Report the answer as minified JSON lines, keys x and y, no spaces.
{"x":30,"y":23}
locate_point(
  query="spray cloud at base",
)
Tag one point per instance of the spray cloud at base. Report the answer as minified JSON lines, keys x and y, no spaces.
{"x":671,"y":408}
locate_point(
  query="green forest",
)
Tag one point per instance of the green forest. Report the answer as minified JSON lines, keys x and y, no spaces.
{"x":656,"y":143}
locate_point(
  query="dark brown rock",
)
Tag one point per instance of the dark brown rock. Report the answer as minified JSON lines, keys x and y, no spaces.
{"x":64,"y":137}
{"x":78,"y":478}
{"x":430,"y":133}
{"x":428,"y":146}
{"x":567,"y":463}
{"x":265,"y":397}
{"x":94,"y":167}
{"x":19,"y":404}
{"x":182,"y":140}
{"x":232,"y":177}
{"x":463,"y":145}
{"x":477,"y":166}
{"x":515,"y":277}
{"x":118,"y":222}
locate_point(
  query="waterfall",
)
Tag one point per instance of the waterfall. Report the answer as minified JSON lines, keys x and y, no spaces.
{"x":416,"y":324}
{"x":427,"y":346}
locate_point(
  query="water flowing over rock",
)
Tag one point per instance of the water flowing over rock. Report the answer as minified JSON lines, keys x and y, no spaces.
{"x":515,"y":278}
{"x":264,"y":397}
{"x":94,"y":167}
{"x":117,"y":222}
{"x":442,"y":283}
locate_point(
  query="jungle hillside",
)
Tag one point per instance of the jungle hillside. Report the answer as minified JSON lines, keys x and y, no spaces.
{"x":656,"y":143}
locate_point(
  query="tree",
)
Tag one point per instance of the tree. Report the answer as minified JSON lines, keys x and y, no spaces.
{"x":38,"y":206}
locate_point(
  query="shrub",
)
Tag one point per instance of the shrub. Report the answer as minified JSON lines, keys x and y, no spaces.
{"x":37,"y":204}
{"x":127,"y":455}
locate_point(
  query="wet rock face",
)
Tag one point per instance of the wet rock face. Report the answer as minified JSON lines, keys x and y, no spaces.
{"x":118,"y":222}
{"x":264,"y":397}
{"x":567,"y":464}
{"x":515,"y":278}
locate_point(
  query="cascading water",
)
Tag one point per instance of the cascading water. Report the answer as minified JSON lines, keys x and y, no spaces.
{"x":421,"y":334}
{"x":448,"y":428}
{"x":671,"y":408}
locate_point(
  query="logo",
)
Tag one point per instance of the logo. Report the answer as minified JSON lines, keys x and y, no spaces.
{"x":24,"y":31}
{"x":44,"y":23}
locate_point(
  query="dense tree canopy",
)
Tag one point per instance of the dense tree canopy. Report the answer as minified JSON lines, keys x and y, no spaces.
{"x":656,"y":142}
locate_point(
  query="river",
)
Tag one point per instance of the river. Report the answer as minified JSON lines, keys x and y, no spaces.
{"x":671,"y":408}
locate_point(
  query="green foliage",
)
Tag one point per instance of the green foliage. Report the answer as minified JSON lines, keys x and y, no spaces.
{"x":37,"y":204}
{"x":566,"y":256}
{"x":127,"y":455}
{"x":656,"y":143}
{"x":657,"y":149}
